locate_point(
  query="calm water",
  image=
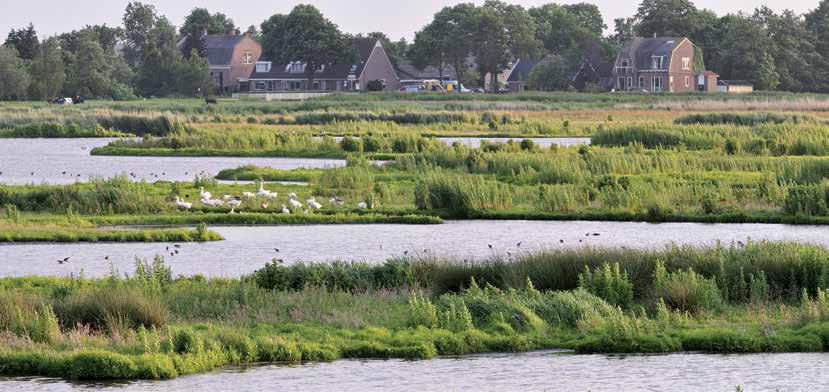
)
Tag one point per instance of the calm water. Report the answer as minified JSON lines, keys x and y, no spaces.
{"x":248,"y":248}
{"x":537,"y":371}
{"x":63,"y":161}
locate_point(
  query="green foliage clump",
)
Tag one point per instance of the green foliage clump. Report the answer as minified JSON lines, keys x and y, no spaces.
{"x":609,"y":283}
{"x":685,"y":290}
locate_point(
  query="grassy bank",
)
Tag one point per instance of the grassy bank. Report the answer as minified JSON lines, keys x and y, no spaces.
{"x":762,"y":297}
{"x":10,"y":232}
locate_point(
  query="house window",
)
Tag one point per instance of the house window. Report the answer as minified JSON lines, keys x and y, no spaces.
{"x":641,"y":82}
{"x":624,"y":63}
{"x":656,"y":82}
{"x":259,"y":86}
{"x":296,"y":85}
{"x":316,"y":85}
{"x":686,"y":63}
{"x":247,"y":57}
{"x":270,"y":85}
{"x":630,"y":82}
{"x":687,"y":81}
{"x":620,"y":83}
{"x":658,"y":62}
{"x":671,"y":83}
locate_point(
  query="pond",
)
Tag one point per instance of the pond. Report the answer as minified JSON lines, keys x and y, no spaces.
{"x":534,"y":371}
{"x":249,"y":248}
{"x":65,"y":161}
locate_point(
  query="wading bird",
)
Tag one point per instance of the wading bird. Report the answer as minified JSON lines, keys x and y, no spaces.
{"x":183,"y":204}
{"x":233,"y":204}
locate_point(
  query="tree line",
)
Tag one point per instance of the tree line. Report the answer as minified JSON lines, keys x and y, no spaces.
{"x":150,"y":57}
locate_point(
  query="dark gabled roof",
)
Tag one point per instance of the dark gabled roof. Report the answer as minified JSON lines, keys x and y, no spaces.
{"x":220,"y":48}
{"x":408,"y":71}
{"x":641,"y":50}
{"x":521,"y":70}
{"x":364,"y":47}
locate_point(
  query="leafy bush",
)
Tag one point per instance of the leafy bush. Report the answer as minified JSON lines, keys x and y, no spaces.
{"x":101,"y":365}
{"x":608,"y":283}
{"x":685,"y":290}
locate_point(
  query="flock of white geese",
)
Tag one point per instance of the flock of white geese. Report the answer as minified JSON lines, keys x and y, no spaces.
{"x":206,"y":198}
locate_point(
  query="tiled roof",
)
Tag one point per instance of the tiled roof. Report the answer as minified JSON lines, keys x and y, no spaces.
{"x":641,"y":50}
{"x":521,"y":70}
{"x":220,"y":48}
{"x":408,"y":71}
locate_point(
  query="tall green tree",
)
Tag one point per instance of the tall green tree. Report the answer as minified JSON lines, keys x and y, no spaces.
{"x":566,"y":31}
{"x":200,"y":21}
{"x":139,"y":19}
{"x":503,"y":33}
{"x":447,"y":40}
{"x":24,"y":41}
{"x":47,"y":71}
{"x":93,"y":72}
{"x":305,"y":35}
{"x":665,"y":18}
{"x":552,"y":74}
{"x":13,"y":77}
{"x":588,"y":16}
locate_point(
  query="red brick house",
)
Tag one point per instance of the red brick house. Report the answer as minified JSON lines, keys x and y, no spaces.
{"x":232,"y":58}
{"x":655,"y":65}
{"x":374,"y":64}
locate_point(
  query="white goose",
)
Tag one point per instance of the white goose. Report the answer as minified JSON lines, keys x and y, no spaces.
{"x":262,"y":191}
{"x":285,"y":210}
{"x":362,"y":206}
{"x":212,"y":202}
{"x":183,"y":204}
{"x":294,"y":203}
{"x":313,"y":203}
{"x":205,"y":195}
{"x":292,"y":196}
{"x":248,"y":195}
{"x":233,"y":204}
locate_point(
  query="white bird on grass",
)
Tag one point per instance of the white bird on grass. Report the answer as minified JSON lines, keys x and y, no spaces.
{"x":212,"y":202}
{"x":262,"y":191}
{"x":294,"y":203}
{"x":313,"y":203}
{"x":248,"y":195}
{"x":183,"y":204}
{"x":292,"y":196}
{"x":285,"y":210}
{"x":362,"y":206}
{"x":336,"y":201}
{"x":205,"y":195}
{"x":233,"y":204}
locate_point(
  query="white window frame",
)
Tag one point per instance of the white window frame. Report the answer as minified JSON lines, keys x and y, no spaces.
{"x":641,"y":82}
{"x":247,"y":57}
{"x":687,"y":81}
{"x":656,"y":87}
{"x":686,"y":63}
{"x":658,"y":62}
{"x":260,"y":86}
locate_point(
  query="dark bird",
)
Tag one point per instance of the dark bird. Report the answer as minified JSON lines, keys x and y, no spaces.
{"x":64,"y":172}
{"x":562,"y":241}
{"x":177,"y":246}
{"x":276,"y":249}
{"x":176,"y":251}
{"x":596,"y":234}
{"x":490,"y":246}
{"x":60,"y":261}
{"x":106,"y":258}
{"x":509,"y":254}
{"x":406,"y":252}
{"x":518,"y":245}
{"x":172,"y":254}
{"x":587,"y":235}
{"x":167,"y":248}
{"x":65,"y":259}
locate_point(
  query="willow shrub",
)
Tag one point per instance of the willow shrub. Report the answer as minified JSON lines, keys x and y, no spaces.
{"x":460,"y":194}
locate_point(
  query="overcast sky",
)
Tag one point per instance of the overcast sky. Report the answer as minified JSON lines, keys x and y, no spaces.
{"x":397,"y":18}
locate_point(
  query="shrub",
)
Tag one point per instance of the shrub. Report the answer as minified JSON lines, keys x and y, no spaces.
{"x":101,"y":365}
{"x":185,"y":341}
{"x":685,"y":290}
{"x":241,"y":347}
{"x":318,"y":352}
{"x":422,"y":312}
{"x":155,"y":367}
{"x":608,"y":283}
{"x":278,"y":350}
{"x":111,"y":310}
{"x":351,"y":144}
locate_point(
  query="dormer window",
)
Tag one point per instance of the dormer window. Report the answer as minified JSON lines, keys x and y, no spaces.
{"x":625,"y":63}
{"x":247,"y":57}
{"x":658,"y":62}
{"x":263,"y":66}
{"x":296,"y":67}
